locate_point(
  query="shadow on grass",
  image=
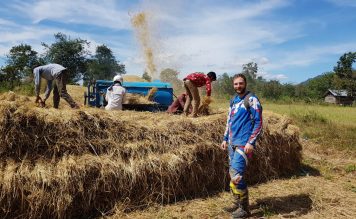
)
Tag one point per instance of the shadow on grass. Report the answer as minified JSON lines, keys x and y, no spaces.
{"x":288,"y":206}
{"x":307,"y":170}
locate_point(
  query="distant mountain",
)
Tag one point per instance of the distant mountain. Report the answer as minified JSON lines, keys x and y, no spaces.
{"x":314,"y":78}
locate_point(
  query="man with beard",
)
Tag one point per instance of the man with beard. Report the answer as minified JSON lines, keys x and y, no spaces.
{"x":244,"y":125}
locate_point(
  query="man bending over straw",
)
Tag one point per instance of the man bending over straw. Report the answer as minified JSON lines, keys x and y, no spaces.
{"x":244,"y":125}
{"x":54,"y":74}
{"x":191,"y":84}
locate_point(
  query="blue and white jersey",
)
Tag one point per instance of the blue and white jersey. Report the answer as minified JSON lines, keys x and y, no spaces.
{"x":239,"y":127}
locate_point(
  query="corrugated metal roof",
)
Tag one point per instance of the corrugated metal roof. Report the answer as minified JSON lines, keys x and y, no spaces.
{"x":338,"y":93}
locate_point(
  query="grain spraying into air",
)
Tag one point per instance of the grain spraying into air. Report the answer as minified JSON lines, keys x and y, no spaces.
{"x":139,"y":22}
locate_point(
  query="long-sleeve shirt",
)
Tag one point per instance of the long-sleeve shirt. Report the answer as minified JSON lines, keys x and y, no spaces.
{"x":48,"y":72}
{"x":115,"y":96}
{"x":199,"y":80}
{"x":240,"y":129}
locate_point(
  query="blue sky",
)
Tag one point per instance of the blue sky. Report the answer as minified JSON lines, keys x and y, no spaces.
{"x":291,"y":40}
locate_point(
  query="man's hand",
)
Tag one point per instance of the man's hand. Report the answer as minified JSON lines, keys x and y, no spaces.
{"x":248,"y":148}
{"x":236,"y":179}
{"x":41,"y":102}
{"x":223,"y":145}
{"x":38,"y":98}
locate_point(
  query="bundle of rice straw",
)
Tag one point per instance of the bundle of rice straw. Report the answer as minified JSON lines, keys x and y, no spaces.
{"x":80,"y":163}
{"x":151,"y":93}
{"x":204,"y":106}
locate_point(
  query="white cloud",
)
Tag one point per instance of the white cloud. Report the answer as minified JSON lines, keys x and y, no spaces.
{"x":219,"y":38}
{"x":274,"y":76}
{"x":307,"y":55}
{"x":4,"y":22}
{"x":100,"y":13}
{"x":188,"y":37}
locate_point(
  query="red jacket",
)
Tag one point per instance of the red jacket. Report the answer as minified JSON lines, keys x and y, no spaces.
{"x":199,"y":80}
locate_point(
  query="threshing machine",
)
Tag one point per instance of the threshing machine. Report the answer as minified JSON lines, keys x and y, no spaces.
{"x":163,"y":97}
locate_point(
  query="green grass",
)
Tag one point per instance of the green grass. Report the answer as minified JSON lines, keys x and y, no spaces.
{"x":27,"y":89}
{"x":350,"y":168}
{"x":328,"y":125}
{"x":335,"y":114}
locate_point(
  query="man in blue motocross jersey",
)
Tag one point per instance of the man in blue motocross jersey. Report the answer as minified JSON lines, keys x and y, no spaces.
{"x":244,"y":125}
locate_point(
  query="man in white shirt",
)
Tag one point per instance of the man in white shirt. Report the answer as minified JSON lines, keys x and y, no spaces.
{"x":115,"y":94}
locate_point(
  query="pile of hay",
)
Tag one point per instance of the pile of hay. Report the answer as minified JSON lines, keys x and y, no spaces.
{"x":137,"y":99}
{"x":204,"y":108}
{"x":81,"y":163}
{"x":133,"y":78}
{"x":151,"y":93}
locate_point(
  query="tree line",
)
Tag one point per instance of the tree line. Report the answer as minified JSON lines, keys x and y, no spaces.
{"x":343,"y":77}
{"x":71,"y":53}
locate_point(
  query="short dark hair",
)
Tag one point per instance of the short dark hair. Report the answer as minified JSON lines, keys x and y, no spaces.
{"x":212,"y":75}
{"x":240,"y":76}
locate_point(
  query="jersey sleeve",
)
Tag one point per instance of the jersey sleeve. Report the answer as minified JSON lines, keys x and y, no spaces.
{"x":256,"y":112}
{"x":226,"y":133}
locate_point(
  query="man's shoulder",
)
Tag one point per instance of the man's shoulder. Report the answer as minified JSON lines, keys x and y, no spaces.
{"x":253,"y":100}
{"x":37,"y":69}
{"x":120,"y":89}
{"x":251,"y":96}
{"x":197,"y":74}
{"x":234,"y":100}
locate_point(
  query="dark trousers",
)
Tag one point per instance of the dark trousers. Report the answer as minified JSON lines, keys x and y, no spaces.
{"x":60,"y":90}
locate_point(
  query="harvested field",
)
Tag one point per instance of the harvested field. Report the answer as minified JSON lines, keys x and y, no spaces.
{"x":83,"y":163}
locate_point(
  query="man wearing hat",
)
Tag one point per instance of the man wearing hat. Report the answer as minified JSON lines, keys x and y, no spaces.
{"x":115,"y":94}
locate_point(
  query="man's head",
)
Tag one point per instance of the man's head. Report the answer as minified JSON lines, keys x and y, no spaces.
{"x":35,"y":65}
{"x":240,"y":83}
{"x":212,"y":76}
{"x":118,"y":79}
{"x":65,"y":71}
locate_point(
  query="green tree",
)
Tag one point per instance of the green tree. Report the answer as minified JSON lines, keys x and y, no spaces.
{"x":344,"y":73}
{"x":19,"y":63}
{"x":289,"y":90}
{"x":22,"y":59}
{"x":9,"y":77}
{"x":317,"y":86}
{"x":272,"y":90}
{"x":250,"y":69}
{"x":71,"y":53}
{"x":146,"y":76}
{"x":104,"y":65}
{"x":223,"y":86}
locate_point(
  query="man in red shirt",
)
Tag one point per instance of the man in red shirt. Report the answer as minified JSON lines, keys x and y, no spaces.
{"x":191,"y":84}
